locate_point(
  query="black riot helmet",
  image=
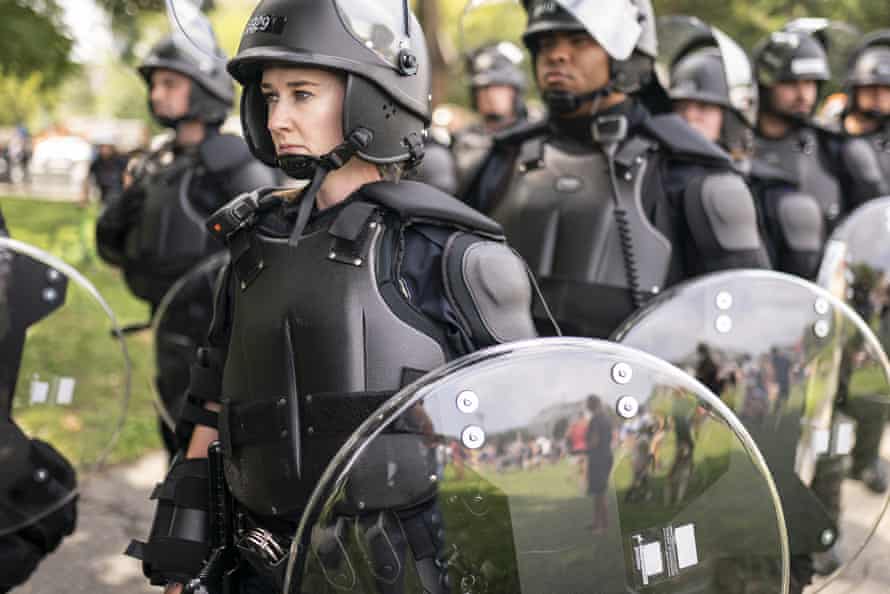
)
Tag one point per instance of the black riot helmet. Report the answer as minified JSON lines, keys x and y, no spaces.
{"x":787,"y":56}
{"x":212,"y":93}
{"x":869,"y":65}
{"x":377,"y":44}
{"x":710,"y":67}
{"x":498,"y":64}
{"x":625,"y":29}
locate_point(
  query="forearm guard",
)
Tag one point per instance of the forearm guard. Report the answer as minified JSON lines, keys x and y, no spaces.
{"x":179,"y":541}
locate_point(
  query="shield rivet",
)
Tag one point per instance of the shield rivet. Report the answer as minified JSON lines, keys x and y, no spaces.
{"x":467,"y":402}
{"x":821,"y":328}
{"x":827,"y":537}
{"x":627,"y":407}
{"x":53,"y":275}
{"x":622,"y":373}
{"x":473,"y":437}
{"x":723,"y":324}
{"x":821,"y":306}
{"x":50,"y":294}
{"x":724,"y":300}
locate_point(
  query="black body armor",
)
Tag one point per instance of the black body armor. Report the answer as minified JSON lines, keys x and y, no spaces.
{"x":470,"y":147}
{"x":597,"y":257}
{"x":792,"y":222}
{"x":155,"y":231}
{"x":805,"y":155}
{"x":323,"y":329}
{"x":867,"y":160}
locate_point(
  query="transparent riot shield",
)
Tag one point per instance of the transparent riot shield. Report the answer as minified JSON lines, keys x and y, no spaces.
{"x":777,"y":350}
{"x":553,"y":465}
{"x":64,"y":386}
{"x":475,"y":29}
{"x":179,"y":326}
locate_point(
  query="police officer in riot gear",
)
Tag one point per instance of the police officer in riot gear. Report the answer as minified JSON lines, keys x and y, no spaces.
{"x":790,"y":67}
{"x":702,"y":74}
{"x":337,"y":295}
{"x":607,"y":203}
{"x":155,"y":232}
{"x":866,"y":119}
{"x":497,"y":86}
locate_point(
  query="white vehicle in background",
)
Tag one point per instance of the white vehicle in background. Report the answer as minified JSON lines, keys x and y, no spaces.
{"x":61,"y":159}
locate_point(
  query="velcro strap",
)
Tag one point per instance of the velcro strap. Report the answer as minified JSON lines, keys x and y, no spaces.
{"x":205,"y":383}
{"x":256,"y":422}
{"x":196,"y":414}
{"x":337,"y":414}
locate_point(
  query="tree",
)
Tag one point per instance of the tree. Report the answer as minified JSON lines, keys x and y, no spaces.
{"x":33,"y":40}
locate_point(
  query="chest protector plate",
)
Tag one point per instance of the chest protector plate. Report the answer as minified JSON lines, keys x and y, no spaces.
{"x":169,"y":237}
{"x":800,"y":155}
{"x":559,"y":213}
{"x":313,"y":345}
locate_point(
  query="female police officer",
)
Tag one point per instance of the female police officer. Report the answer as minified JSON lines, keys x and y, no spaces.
{"x":335,"y":297}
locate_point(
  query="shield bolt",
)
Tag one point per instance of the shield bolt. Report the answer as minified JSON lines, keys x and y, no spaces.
{"x":724,"y":300}
{"x":467,"y":402}
{"x":50,"y":294}
{"x":723,"y":324}
{"x":827,"y":537}
{"x":821,"y":306}
{"x":473,"y":437}
{"x":821,"y":328}
{"x":627,"y":407}
{"x":41,"y":475}
{"x":622,"y":373}
{"x":52,"y":275}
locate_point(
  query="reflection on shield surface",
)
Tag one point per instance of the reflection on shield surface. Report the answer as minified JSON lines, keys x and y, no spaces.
{"x":789,"y":359}
{"x":50,"y":317}
{"x":554,"y":465}
{"x":180,"y":325}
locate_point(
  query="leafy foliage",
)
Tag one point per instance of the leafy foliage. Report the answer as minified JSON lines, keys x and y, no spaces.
{"x":33,"y":39}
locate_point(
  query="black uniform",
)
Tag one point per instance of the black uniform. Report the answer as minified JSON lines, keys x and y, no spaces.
{"x":681,"y":211}
{"x":791,"y":221}
{"x":155,"y":233}
{"x":811,"y":157}
{"x":404,"y":279}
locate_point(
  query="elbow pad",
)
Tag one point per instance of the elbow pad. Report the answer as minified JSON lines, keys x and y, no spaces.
{"x":179,"y":540}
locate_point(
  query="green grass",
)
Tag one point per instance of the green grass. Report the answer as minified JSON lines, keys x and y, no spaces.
{"x":75,"y":341}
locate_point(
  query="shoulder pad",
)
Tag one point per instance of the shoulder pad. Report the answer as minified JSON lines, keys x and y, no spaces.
{"x":414,"y":200}
{"x":801,"y":221}
{"x":680,"y":140}
{"x":488,"y":285}
{"x":721,"y":214}
{"x":222,"y":152}
{"x":521,"y":132}
{"x":761,"y":170}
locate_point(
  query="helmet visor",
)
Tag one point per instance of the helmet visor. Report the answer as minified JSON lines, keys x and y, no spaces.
{"x":382,"y":26}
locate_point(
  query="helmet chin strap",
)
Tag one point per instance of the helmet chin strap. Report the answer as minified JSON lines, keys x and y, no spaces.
{"x":317,"y":169}
{"x":564,"y":102}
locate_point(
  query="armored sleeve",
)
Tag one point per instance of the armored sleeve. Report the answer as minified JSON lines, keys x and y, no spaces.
{"x":488,"y":286}
{"x":722,"y":223}
{"x":795,"y":231}
{"x":866,"y":178}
